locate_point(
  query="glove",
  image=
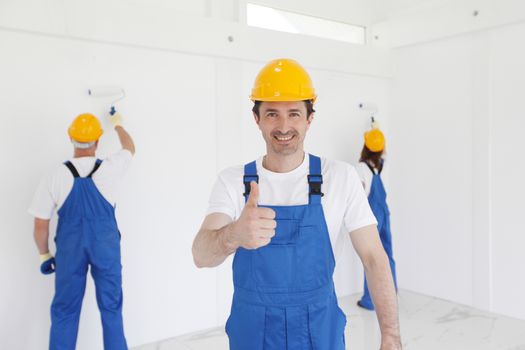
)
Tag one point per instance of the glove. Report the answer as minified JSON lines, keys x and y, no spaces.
{"x":115,"y":118}
{"x":48,"y":264}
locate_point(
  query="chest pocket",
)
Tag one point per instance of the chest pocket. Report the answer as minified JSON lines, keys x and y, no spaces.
{"x":274,"y":266}
{"x":286,"y":232}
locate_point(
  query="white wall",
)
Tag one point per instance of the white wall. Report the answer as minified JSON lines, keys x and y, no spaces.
{"x":387,"y":9}
{"x":507,"y":170}
{"x":455,"y":169}
{"x":430,"y":165}
{"x":186,"y":106}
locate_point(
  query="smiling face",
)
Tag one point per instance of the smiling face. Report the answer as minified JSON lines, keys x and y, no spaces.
{"x":283,"y":126}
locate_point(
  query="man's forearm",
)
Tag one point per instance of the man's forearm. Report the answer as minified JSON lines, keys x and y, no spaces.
{"x":125,"y":139}
{"x":212,"y":247}
{"x":41,"y":239}
{"x":381,"y":286}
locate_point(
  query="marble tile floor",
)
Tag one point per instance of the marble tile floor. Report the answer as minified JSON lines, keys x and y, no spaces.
{"x":427,"y":323}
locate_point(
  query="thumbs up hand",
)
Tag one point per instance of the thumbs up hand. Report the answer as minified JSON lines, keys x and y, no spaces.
{"x":256,"y":226}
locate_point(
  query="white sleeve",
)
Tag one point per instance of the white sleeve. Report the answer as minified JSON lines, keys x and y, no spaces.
{"x":358,"y":213}
{"x":365,"y":175}
{"x":43,"y":203}
{"x":118,"y":164}
{"x":111,"y":173}
{"x":220,"y":200}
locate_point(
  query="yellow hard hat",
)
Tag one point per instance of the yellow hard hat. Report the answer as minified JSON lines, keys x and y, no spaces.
{"x":283,"y":79}
{"x":375,"y":140}
{"x":85,"y":128}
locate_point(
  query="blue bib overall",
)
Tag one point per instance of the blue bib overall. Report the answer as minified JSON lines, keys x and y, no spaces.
{"x":377,"y":200}
{"x":284,"y":295}
{"x":87,"y":235}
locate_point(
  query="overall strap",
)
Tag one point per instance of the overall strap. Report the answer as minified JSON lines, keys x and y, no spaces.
{"x":95,"y":168}
{"x":315,"y":180}
{"x":72,"y":168}
{"x":381,"y":167}
{"x":371,"y":168}
{"x":250,"y":174}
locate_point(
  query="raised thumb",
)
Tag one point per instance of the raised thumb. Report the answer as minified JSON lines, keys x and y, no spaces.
{"x":254,"y":194}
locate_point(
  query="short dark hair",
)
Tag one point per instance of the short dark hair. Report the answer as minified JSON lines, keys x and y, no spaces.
{"x":308,"y":103}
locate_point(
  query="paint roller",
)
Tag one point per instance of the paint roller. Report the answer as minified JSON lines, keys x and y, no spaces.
{"x":372,"y":109}
{"x":115,"y":92}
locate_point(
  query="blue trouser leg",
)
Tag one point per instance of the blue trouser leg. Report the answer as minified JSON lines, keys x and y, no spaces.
{"x":366,"y":300}
{"x":70,"y":285}
{"x":106,"y":271}
{"x":386,"y":240}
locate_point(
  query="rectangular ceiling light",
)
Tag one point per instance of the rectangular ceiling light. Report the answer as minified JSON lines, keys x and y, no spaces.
{"x":284,"y":21}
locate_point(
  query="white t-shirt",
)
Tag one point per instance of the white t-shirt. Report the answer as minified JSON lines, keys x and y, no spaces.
{"x":55,"y":187}
{"x":365,"y":175}
{"x":344,"y":202}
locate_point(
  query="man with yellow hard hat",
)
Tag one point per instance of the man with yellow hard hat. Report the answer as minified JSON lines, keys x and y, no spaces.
{"x":83,"y":191}
{"x":369,"y":169}
{"x":281,"y":215}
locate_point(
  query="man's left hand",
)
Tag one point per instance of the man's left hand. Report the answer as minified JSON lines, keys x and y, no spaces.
{"x":48,"y":264}
{"x":115,"y":119}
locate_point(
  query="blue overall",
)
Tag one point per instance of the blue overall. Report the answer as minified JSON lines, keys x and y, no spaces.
{"x":377,"y":200}
{"x":284,"y":292}
{"x":87,"y":235}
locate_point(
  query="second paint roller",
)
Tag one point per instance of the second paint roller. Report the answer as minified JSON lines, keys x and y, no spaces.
{"x":372,"y":109}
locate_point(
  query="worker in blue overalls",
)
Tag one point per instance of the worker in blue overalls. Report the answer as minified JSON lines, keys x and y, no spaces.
{"x":83,"y":190}
{"x":281,"y":216}
{"x":369,"y":168}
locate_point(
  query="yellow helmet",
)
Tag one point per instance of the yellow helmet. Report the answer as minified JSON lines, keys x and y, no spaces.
{"x":283,"y":79}
{"x":85,"y":128}
{"x":375,"y":140}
